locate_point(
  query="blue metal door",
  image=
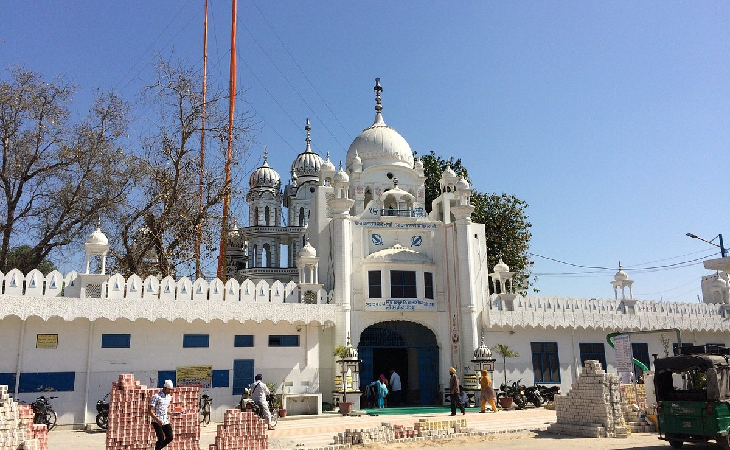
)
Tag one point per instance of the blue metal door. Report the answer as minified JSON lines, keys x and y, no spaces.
{"x":366,"y":366}
{"x":428,"y":374}
{"x":242,"y":375}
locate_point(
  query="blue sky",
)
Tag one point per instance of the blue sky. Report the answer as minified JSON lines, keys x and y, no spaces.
{"x":609,"y":118}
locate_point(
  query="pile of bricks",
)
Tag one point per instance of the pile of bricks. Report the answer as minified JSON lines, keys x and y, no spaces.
{"x":17,"y":430}
{"x":129,"y":421}
{"x":634,"y":396}
{"x":386,"y":432}
{"x":241,"y":430}
{"x":439,"y":428}
{"x":593,"y":407}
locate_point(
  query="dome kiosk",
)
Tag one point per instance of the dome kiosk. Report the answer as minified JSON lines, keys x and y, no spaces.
{"x":349,"y":381}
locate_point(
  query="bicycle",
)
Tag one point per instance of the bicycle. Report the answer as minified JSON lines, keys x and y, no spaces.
{"x":205,"y":403}
{"x":43,"y":412}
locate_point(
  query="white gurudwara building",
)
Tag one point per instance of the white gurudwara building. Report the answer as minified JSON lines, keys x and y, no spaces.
{"x":357,"y":260}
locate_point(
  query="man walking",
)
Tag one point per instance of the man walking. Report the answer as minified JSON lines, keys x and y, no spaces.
{"x":455,"y":393}
{"x":395,"y":388}
{"x":159,"y":411}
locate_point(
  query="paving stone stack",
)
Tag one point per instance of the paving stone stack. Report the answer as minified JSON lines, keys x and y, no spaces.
{"x":593,"y":407}
{"x":241,"y":430}
{"x":387,"y":432}
{"x":636,"y":420}
{"x":634,"y":397}
{"x":129,"y":421}
{"x":17,"y":430}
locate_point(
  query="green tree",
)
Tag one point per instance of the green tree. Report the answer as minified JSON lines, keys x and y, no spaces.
{"x":508,"y":235}
{"x":18,"y":258}
{"x":433,"y":166}
{"x":58,"y":174}
{"x":505,"y":351}
{"x":504,"y":216}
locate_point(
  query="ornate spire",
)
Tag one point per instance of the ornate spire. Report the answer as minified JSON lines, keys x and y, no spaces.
{"x":378,"y":107}
{"x":266,"y":156}
{"x":308,"y":139}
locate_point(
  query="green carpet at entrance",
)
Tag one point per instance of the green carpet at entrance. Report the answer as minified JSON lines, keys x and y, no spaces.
{"x":412,"y":410}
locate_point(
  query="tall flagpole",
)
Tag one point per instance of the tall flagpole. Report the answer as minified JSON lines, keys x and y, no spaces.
{"x":231,"y":107}
{"x":199,"y":235}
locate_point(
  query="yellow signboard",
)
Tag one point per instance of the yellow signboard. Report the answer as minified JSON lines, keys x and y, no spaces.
{"x":46,"y":341}
{"x":195,"y":375}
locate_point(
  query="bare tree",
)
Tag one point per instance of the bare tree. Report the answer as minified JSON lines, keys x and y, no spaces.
{"x":58,"y":176}
{"x":157,"y":234}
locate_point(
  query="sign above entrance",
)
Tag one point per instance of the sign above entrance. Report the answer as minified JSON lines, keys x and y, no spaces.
{"x":400,"y":305}
{"x":394,"y":225}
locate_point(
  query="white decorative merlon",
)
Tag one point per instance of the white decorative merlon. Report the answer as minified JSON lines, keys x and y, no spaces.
{"x":567,"y":313}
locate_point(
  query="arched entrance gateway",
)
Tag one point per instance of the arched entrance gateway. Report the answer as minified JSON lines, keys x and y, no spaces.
{"x":409,"y":348}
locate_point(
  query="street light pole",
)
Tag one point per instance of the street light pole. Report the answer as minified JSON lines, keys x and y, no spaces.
{"x":723,"y":250}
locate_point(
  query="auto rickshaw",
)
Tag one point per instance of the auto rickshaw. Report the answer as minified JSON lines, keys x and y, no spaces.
{"x":693,"y":396}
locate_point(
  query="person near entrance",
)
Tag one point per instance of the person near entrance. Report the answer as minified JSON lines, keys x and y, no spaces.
{"x":395,"y":389}
{"x":385,"y":389}
{"x":159,"y":411}
{"x":455,"y":393}
{"x":487,"y":392}
{"x":259,"y":394}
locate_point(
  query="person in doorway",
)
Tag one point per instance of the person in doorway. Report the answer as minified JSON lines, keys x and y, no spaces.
{"x":487,"y":394}
{"x":395,"y":389}
{"x":160,"y":413}
{"x":384,"y":382}
{"x":259,"y":394}
{"x":382,"y":391}
{"x":455,"y":392}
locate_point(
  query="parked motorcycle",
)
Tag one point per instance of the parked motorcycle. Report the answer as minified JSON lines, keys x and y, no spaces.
{"x":533,"y":396}
{"x":43,"y":412}
{"x":548,"y":392}
{"x":247,"y":404}
{"x":102,"y":413}
{"x":516,"y":391}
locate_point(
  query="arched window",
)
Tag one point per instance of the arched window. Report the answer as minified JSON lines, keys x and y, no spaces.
{"x":256,"y":216}
{"x":301,"y":216}
{"x":254,"y":256}
{"x":368,"y":197}
{"x":266,"y":218}
{"x":266,"y":256}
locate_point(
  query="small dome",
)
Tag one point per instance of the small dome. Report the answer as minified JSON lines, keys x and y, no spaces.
{"x":357,"y":159}
{"x":234,"y":231}
{"x":327,"y":165}
{"x":307,"y":163}
{"x":462,"y":184}
{"x":620,"y":275}
{"x":448,"y":172}
{"x":308,"y":251}
{"x":264,"y":176}
{"x":380,"y":144}
{"x":341,"y":176}
{"x":418,"y":164}
{"x":97,"y":237}
{"x":501,"y":267}
{"x":483,"y":352}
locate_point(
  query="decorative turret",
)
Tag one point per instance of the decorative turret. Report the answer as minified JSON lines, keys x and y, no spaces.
{"x":307,"y":164}
{"x":621,"y":280}
{"x":97,"y":244}
{"x":501,"y":276}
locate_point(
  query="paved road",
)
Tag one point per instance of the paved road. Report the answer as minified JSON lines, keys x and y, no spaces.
{"x":515,"y":430}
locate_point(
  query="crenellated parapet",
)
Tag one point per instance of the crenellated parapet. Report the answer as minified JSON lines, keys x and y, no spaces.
{"x":513,"y":311}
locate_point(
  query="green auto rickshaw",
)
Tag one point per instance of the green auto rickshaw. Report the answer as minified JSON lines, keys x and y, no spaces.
{"x":693,"y":396}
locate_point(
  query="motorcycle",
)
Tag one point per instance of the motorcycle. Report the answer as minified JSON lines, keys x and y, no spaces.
{"x":533,"y":396}
{"x":548,"y":392}
{"x":43,"y":412}
{"x":247,"y":404}
{"x":516,"y":391}
{"x":102,"y":413}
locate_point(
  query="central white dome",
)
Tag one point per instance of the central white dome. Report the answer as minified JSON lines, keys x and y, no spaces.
{"x":380,"y":144}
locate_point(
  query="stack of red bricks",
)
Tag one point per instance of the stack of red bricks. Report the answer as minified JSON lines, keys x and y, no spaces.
{"x":17,"y":429}
{"x":129,"y":421}
{"x":402,"y":432}
{"x":241,"y":430}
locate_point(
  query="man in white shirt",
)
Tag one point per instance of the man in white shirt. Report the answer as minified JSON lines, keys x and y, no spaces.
{"x":395,"y":388}
{"x":160,"y":413}
{"x":259,"y":394}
